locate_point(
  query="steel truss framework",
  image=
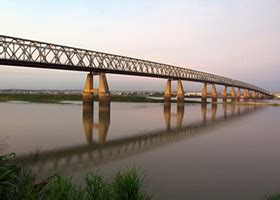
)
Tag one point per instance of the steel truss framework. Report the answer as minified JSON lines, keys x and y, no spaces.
{"x":29,"y":53}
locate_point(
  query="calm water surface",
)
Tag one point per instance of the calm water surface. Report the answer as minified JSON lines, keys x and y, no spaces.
{"x":187,"y":152}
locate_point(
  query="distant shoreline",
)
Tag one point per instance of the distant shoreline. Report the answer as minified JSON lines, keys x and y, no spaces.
{"x":61,"y":98}
{"x":57,"y":98}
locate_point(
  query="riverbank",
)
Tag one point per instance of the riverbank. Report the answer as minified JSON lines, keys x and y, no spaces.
{"x":18,"y":182}
{"x":58,"y":98}
{"x":62,"y":98}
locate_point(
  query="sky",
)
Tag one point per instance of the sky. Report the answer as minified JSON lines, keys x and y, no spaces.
{"x":239,"y":39}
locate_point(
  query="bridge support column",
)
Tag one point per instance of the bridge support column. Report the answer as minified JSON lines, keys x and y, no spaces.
{"x":204,"y":93}
{"x":103,"y":85}
{"x":238,"y":95}
{"x":245,"y":95}
{"x":254,"y":95}
{"x":249,"y":95}
{"x":214,"y":94}
{"x":259,"y":95}
{"x":180,"y":93}
{"x":232,"y":94}
{"x":224,"y":94}
{"x":88,"y":88}
{"x":167,"y":92}
{"x":103,"y":92}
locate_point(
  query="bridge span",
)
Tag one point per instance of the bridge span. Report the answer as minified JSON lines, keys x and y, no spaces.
{"x":30,"y":53}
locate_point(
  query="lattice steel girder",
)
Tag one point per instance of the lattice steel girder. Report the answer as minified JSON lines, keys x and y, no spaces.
{"x":29,"y":53}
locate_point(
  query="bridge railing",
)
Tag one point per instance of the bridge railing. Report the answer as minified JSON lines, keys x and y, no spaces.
{"x":24,"y":52}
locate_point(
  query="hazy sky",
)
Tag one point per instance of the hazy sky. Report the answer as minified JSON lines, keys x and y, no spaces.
{"x":235,"y":38}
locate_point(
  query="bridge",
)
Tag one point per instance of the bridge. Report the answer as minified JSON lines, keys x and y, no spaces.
{"x":30,"y":53}
{"x":93,"y":154}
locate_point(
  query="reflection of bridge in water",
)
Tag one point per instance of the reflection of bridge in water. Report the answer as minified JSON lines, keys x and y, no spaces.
{"x":100,"y":152}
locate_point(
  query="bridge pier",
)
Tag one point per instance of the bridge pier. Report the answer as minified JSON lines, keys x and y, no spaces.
{"x":180,"y":93}
{"x":224,"y":94}
{"x":249,"y":95}
{"x":232,"y":94}
{"x":204,"y":93}
{"x":260,"y":95}
{"x":238,"y":95}
{"x":167,"y":92}
{"x":245,"y":95}
{"x":103,"y":85}
{"x":214,"y":94}
{"x":102,"y":91}
{"x":88,"y":88}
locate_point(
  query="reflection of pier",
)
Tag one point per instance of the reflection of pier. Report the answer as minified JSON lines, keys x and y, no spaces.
{"x":87,"y":156}
{"x":179,"y":115}
{"x":103,"y":121}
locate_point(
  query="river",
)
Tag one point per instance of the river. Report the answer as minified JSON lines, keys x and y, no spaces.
{"x":222,"y":151}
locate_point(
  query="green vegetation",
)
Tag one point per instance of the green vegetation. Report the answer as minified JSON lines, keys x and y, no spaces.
{"x":17,"y":182}
{"x":57,"y":98}
{"x":45,"y":98}
{"x":275,"y":196}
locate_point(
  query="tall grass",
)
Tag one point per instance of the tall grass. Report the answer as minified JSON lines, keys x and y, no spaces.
{"x":60,"y":187}
{"x":17,"y":182}
{"x":127,"y":185}
{"x":97,"y":187}
{"x":275,"y":196}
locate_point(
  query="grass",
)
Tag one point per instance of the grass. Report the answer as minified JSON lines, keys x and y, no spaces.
{"x":275,"y":196}
{"x":44,"y":98}
{"x":56,"y":98}
{"x":60,"y":187}
{"x":17,"y":182}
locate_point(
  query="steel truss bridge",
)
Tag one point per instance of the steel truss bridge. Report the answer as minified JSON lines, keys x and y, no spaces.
{"x":30,"y":53}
